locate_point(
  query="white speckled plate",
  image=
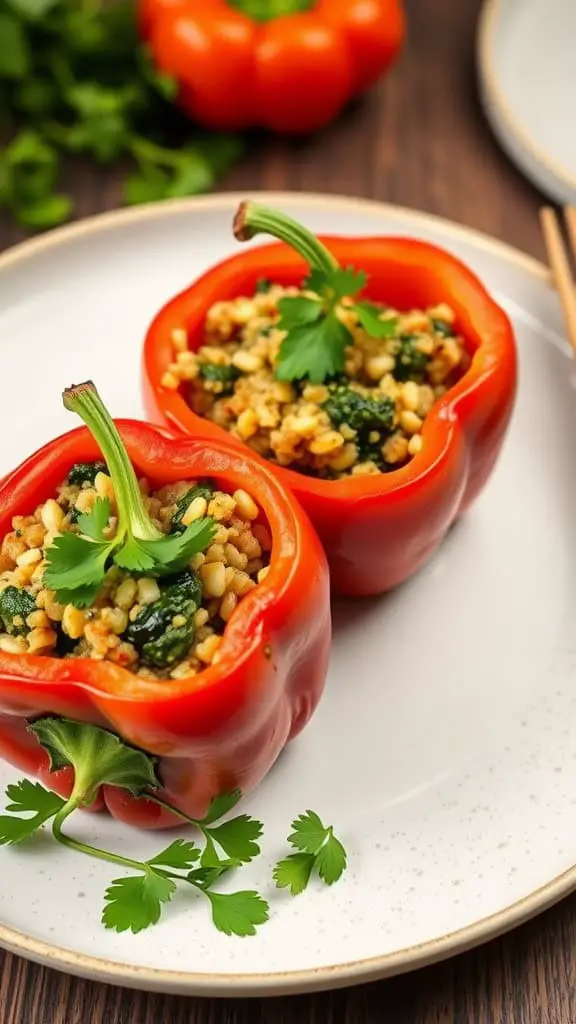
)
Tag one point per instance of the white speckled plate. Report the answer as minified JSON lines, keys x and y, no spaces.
{"x":444,"y":751}
{"x":527,"y":78}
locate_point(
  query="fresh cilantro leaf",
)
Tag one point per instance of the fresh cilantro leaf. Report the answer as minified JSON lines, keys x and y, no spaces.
{"x":36,"y":96}
{"x":180,"y":854}
{"x":33,"y":9}
{"x":294,"y":872}
{"x":26,"y":796}
{"x":146,"y":187}
{"x":316,"y":339}
{"x":28,"y":150}
{"x":314,"y":351}
{"x":369,"y":317}
{"x":80,"y":597}
{"x":93,"y":523}
{"x":194,"y":175}
{"x":73,"y":562}
{"x":238,"y":913}
{"x":238,"y":837}
{"x":340,"y":283}
{"x":295,"y":312}
{"x":15,"y":57}
{"x":331,"y":860}
{"x":135,"y":556}
{"x":211,"y":859}
{"x":204,"y":877}
{"x":308,"y":833}
{"x":30,"y":167}
{"x":318,"y":848}
{"x":134,"y":903}
{"x":221,"y":805}
{"x":164,"y":84}
{"x":97,"y":756}
{"x":15,"y":830}
{"x":221,"y":149}
{"x":45,"y":213}
{"x":168,"y":554}
{"x":101,"y":135}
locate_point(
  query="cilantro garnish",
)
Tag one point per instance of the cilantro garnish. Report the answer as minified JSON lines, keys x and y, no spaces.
{"x":135,"y":901}
{"x":318,"y":850}
{"x":316,"y":340}
{"x":75,"y":79}
{"x":27,"y":798}
{"x":76,"y":564}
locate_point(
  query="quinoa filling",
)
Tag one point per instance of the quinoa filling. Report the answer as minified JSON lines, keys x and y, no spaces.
{"x":369,"y":420}
{"x":168,"y":627}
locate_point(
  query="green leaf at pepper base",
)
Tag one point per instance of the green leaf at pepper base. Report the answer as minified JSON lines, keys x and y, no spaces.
{"x":97,"y":756}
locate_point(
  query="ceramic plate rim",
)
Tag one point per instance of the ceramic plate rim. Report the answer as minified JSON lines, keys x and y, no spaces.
{"x":545,"y":172}
{"x":338,"y":975}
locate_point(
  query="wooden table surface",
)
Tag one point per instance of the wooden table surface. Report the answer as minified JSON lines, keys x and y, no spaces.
{"x":419,"y":140}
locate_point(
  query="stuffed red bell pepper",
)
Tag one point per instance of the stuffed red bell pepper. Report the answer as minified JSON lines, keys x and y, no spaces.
{"x":376,"y":376}
{"x":170,"y":591}
{"x":288,"y":65}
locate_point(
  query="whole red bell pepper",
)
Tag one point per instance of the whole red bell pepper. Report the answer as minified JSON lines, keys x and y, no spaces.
{"x":288,"y":65}
{"x":377,"y":530}
{"x":224,"y":727}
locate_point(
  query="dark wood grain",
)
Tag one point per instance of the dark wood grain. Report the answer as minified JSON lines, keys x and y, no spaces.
{"x":419,"y":140}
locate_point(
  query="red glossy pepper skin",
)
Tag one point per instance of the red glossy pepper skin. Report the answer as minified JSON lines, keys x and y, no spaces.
{"x":225,"y":727}
{"x":291,"y":74}
{"x":377,"y":530}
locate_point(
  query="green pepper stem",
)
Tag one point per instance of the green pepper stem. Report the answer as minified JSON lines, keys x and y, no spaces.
{"x":133,"y":518}
{"x":266,"y":10}
{"x":253,"y":219}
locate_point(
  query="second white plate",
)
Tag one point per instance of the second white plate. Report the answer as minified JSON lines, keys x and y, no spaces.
{"x":527,"y":75}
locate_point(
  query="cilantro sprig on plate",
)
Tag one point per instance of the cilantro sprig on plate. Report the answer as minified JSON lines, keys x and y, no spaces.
{"x":135,"y":900}
{"x":316,"y":337}
{"x":318,"y":850}
{"x":77,"y":562}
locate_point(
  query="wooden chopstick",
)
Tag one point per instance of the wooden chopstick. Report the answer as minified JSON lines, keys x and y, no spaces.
{"x":559,"y":260}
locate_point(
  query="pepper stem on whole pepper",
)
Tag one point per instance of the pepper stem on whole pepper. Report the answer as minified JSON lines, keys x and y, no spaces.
{"x":267,"y":10}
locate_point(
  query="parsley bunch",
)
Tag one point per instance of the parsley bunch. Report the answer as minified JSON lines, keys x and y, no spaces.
{"x":135,"y":901}
{"x":75,"y":79}
{"x":316,"y":340}
{"x":76,"y":563}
